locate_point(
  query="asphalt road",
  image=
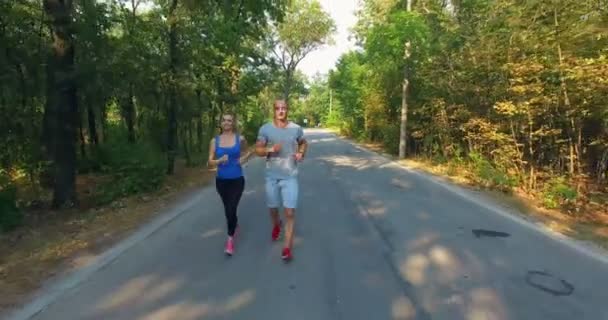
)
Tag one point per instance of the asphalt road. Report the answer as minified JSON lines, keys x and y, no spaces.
{"x":374,"y":241}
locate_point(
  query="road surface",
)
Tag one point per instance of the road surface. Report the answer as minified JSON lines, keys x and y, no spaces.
{"x":374,"y":241}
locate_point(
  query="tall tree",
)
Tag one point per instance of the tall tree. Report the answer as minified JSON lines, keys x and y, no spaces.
{"x":305,"y":28}
{"x":64,"y":117}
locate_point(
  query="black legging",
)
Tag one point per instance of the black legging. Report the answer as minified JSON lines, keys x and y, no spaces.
{"x":230,"y":191}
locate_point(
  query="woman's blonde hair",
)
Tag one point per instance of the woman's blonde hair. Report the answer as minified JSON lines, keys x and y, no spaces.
{"x":235,"y":127}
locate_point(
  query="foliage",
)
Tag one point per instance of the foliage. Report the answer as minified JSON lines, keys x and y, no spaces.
{"x":558,"y":192}
{"x":305,"y":28}
{"x":144,"y":85}
{"x":10,"y":216}
{"x":518,"y":88}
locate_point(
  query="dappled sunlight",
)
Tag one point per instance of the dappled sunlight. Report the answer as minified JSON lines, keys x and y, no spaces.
{"x":423,"y":241}
{"x":131,"y":292}
{"x":445,"y":280}
{"x":406,"y":185}
{"x":150,"y":297}
{"x":349,"y":162}
{"x":418,"y":267}
{"x":403,"y":309}
{"x":182,"y":311}
{"x":212,"y":233}
{"x":237,"y":302}
{"x":414,"y":269}
{"x":127,"y":293}
{"x":321,"y":140}
{"x":423,"y":216}
{"x":373,"y":207}
{"x":448,"y":265}
{"x":485,"y":304}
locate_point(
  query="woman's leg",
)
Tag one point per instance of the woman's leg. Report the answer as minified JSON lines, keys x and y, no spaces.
{"x":223,"y":189}
{"x":237,"y":192}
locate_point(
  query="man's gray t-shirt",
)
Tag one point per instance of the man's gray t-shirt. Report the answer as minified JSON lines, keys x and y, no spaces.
{"x":283,"y":164}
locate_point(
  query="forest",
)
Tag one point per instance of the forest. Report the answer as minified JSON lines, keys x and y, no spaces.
{"x":510,"y":93}
{"x":120,"y":92}
{"x":106,"y":103}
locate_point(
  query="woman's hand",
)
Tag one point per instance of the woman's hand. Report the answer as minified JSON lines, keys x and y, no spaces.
{"x":223,"y":159}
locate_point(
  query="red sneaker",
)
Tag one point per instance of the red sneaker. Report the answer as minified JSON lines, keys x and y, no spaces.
{"x":229,"y":250}
{"x":286,"y":255}
{"x":276,"y":231}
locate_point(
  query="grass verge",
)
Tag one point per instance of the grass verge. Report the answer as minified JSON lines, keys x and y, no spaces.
{"x":52,"y":241}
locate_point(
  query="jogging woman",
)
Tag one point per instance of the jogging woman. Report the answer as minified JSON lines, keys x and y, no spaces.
{"x":227,"y":152}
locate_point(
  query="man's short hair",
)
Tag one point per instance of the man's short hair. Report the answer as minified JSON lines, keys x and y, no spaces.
{"x":277,"y":100}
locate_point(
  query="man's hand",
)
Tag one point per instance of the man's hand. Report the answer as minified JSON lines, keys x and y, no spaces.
{"x":276,"y":148}
{"x":299,"y":156}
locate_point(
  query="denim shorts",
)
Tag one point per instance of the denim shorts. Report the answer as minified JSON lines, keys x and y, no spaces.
{"x":282,"y":189}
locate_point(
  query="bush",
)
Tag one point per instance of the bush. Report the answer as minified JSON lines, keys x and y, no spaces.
{"x":489,"y":175}
{"x":557,"y":193}
{"x":390,"y":138}
{"x":10,"y":216}
{"x":134,"y":168}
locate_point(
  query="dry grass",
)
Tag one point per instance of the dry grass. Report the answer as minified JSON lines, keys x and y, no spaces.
{"x":60,"y":240}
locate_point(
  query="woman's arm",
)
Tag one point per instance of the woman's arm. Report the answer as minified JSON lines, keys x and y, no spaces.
{"x":211,"y":162}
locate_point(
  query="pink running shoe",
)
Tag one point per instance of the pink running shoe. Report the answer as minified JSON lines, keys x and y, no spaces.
{"x":229,"y":246}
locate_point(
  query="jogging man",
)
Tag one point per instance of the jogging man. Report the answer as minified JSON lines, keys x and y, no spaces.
{"x":282,"y":143}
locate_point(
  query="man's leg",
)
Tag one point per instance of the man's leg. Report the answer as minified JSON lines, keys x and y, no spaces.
{"x":272,"y":201}
{"x":290,"y":219}
{"x":289,"y":192}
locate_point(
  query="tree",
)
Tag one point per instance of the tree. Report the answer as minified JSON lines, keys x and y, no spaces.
{"x":306,"y":27}
{"x":63,"y":110}
{"x":513,"y":89}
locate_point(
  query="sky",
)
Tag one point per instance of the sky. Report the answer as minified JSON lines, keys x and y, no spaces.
{"x":324,"y":59}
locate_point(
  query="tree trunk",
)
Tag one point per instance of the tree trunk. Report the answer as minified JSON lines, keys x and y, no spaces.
{"x":288,"y":84}
{"x":190,"y":137}
{"x":172,"y":116}
{"x":574,"y":156}
{"x":130,"y":115}
{"x":49,"y":119}
{"x":49,"y":127}
{"x":199,"y":133}
{"x":532,"y":182}
{"x":66,"y":103}
{"x":83,"y":149}
{"x":185,"y":142}
{"x":92,"y":125}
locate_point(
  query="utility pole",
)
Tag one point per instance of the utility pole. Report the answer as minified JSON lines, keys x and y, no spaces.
{"x":330,"y":101}
{"x":404,"y":90}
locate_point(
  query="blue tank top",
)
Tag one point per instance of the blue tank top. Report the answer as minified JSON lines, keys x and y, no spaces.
{"x":232,"y":169}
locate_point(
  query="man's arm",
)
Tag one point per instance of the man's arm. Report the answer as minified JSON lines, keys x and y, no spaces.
{"x":302,"y":145}
{"x":260,"y":148}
